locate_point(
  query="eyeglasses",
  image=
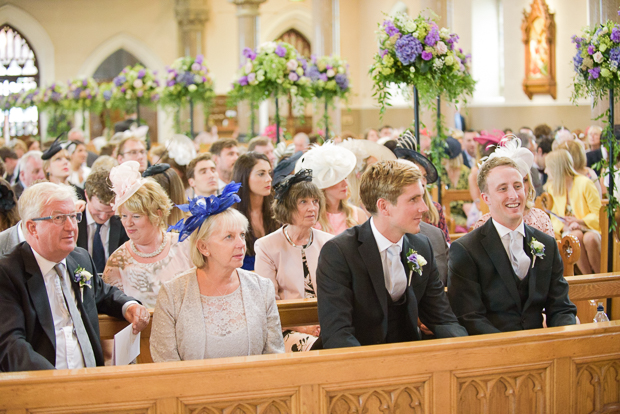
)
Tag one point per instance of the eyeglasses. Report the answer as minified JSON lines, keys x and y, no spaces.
{"x":134,"y":153}
{"x":60,"y":219}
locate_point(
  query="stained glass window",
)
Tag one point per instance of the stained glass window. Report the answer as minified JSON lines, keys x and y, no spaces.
{"x":18,"y":72}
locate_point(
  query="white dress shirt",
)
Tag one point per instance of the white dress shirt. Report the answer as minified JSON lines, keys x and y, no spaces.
{"x":68,"y":351}
{"x":504,"y":232}
{"x":395,"y":282}
{"x":104,"y":232}
{"x":20,"y":233}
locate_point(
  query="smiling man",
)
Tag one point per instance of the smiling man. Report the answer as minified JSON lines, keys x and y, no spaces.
{"x":50,"y":294}
{"x":502,"y":275}
{"x":374,"y":280}
{"x":100,"y":231}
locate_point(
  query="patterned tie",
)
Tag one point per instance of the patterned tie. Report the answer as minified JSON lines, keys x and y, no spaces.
{"x":78,"y":324}
{"x":398,"y":278}
{"x":519,"y":260}
{"x":98,"y":251}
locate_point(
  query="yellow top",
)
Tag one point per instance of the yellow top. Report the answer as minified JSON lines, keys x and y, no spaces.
{"x":584,"y":200}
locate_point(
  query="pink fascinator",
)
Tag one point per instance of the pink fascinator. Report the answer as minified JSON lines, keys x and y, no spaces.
{"x":510,"y":147}
{"x":126,"y":180}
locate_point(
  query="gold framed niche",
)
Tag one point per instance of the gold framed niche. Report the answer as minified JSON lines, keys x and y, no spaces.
{"x":538,"y":34}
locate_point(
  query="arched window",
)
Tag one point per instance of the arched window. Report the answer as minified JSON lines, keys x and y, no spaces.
{"x":18,"y":72}
{"x":299,"y":42}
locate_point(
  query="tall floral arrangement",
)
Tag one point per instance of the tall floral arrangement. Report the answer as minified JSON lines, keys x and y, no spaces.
{"x":9,"y":101}
{"x":51,"y":98}
{"x":135,"y":86}
{"x":597,"y":74}
{"x":27,"y":98}
{"x":187,"y":78}
{"x":330,"y":80}
{"x":418,"y":52}
{"x":81,"y":94}
{"x":275,"y":69}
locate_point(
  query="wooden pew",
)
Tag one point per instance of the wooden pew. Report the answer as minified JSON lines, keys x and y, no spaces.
{"x":558,"y":370}
{"x":447,"y":196}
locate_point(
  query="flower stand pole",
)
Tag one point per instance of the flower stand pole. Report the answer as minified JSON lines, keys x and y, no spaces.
{"x":326,"y":117}
{"x":191,"y":118}
{"x":416,"y":114}
{"x":438,"y":137}
{"x":277,"y":120}
{"x":611,"y":190}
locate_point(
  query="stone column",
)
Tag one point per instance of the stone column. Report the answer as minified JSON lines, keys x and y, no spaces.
{"x":600,"y":12}
{"x":326,"y":41}
{"x":248,"y":20}
{"x":192,"y":16}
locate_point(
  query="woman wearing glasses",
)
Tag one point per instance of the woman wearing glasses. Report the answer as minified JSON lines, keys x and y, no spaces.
{"x":150,"y":257}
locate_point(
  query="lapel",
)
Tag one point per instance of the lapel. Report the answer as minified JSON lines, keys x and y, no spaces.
{"x":71,"y":266}
{"x":372,"y":259}
{"x":403,"y":258}
{"x":532,"y":271}
{"x":82,"y":240}
{"x":38,"y":293}
{"x":495,"y":249}
{"x":114,"y":234}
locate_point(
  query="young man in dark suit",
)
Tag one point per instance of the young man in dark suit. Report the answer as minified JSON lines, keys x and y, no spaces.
{"x":50,"y":294}
{"x":100,"y":231}
{"x":376,"y":279}
{"x":502,"y":275}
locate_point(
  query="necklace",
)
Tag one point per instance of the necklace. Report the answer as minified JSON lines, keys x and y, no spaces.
{"x":149,"y":255}
{"x":288,"y":238}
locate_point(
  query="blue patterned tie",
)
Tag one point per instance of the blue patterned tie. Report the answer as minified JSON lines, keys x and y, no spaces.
{"x":98,"y":251}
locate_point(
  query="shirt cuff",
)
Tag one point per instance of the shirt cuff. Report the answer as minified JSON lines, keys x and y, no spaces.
{"x":127,"y":305}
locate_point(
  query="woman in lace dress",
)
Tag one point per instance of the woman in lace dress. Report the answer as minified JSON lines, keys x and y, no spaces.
{"x":215,"y":309}
{"x":532,"y":216}
{"x":151,"y":257}
{"x":289,"y":256}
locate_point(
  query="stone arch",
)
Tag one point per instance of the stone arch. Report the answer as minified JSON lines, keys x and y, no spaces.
{"x":121,"y":41}
{"x":293,"y":18}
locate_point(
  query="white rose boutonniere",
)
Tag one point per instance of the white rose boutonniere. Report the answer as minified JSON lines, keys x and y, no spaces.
{"x":416,"y":261}
{"x":538,"y":250}
{"x":83,"y":277}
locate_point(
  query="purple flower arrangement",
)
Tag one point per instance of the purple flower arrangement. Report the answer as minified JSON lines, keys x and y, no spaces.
{"x":134,"y":84}
{"x":272,"y":69}
{"x":51,"y":97}
{"x":330,"y":77}
{"x":419,"y":52}
{"x":188,"y":78}
{"x":597,"y":60}
{"x":81,"y":93}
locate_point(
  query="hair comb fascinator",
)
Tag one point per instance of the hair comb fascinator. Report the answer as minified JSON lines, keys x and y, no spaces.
{"x":407,"y":148}
{"x":285,"y":185}
{"x":7,"y":199}
{"x":155,"y":169}
{"x":510,"y":147}
{"x":126,"y":180}
{"x":202,"y":208}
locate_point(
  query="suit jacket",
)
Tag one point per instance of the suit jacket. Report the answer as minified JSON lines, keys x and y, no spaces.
{"x":594,"y":156}
{"x":18,"y":189}
{"x":9,"y":239}
{"x":353,"y":300}
{"x":179,"y":332}
{"x":483,"y":291}
{"x":27,"y":338}
{"x":116,"y":238}
{"x":440,"y":249}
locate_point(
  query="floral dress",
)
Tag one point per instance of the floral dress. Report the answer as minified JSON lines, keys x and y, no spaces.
{"x":142,"y":278}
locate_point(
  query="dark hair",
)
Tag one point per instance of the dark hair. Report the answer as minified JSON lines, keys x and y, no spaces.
{"x":180,"y":170}
{"x":9,"y":215}
{"x":542,"y":130}
{"x":545,"y":144}
{"x":98,"y":184}
{"x":241,"y":174}
{"x":6,"y":152}
{"x":222,"y":143}
{"x":191,"y":167}
{"x":170,"y":181}
{"x":258,"y":142}
{"x":284,"y":209}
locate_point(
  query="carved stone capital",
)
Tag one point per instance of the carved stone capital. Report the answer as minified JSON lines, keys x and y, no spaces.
{"x":247,"y":7}
{"x":191,"y":13}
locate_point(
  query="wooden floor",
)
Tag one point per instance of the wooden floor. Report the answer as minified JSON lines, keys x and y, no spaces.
{"x":572,"y":369}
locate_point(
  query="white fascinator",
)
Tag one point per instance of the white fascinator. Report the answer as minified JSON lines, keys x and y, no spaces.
{"x":510,"y":147}
{"x":126,"y":180}
{"x":181,"y":149}
{"x":329,"y":163}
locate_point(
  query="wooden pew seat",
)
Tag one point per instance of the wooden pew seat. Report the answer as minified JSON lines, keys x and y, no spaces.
{"x":570,"y":369}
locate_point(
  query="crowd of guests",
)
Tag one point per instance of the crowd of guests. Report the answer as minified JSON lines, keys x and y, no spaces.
{"x":210,"y":240}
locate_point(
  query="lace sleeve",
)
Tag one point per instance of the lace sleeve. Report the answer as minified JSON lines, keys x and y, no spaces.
{"x":112,"y":272}
{"x":540,"y":220}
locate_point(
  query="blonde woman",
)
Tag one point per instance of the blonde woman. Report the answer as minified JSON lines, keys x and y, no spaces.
{"x":578,"y":152}
{"x":57,"y":167}
{"x":151,"y":257}
{"x":576,"y":208}
{"x":330,"y":165}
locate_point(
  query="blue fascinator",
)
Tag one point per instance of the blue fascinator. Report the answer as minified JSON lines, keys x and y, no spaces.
{"x":202,"y":208}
